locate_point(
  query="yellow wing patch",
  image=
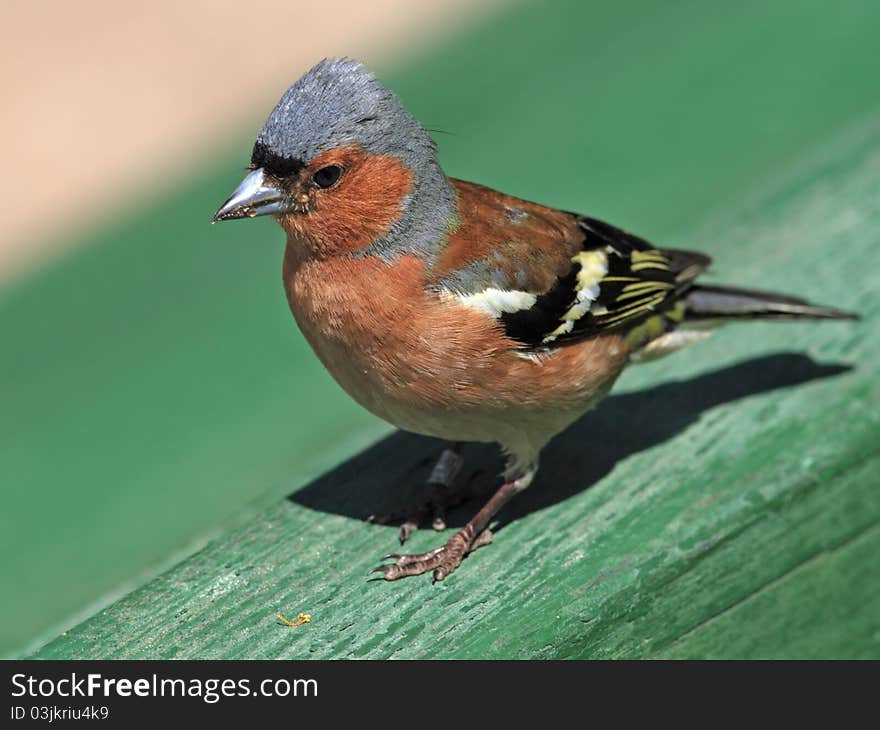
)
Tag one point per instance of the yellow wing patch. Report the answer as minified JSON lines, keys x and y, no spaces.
{"x":651,"y":259}
{"x":637,"y":284}
{"x":593,"y":267}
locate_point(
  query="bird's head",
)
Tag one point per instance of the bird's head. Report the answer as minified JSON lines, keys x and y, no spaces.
{"x":341,"y":164}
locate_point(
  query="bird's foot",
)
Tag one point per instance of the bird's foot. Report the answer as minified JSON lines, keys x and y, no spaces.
{"x":440,"y":497}
{"x":442,"y":560}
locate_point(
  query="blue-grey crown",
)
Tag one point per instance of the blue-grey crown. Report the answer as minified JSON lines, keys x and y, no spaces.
{"x":339,"y":102}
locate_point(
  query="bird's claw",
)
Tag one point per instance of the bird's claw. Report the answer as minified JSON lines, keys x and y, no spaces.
{"x":441,"y":560}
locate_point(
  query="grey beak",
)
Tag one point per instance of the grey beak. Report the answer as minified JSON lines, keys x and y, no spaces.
{"x":257,"y":195}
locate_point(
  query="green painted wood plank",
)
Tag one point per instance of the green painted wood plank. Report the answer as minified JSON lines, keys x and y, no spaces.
{"x":723,"y":502}
{"x":839,"y":586}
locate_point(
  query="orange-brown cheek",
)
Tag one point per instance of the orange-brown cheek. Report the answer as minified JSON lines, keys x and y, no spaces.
{"x":361,"y":209}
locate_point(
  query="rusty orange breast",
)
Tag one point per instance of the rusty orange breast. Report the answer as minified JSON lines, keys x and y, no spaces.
{"x":413,"y":358}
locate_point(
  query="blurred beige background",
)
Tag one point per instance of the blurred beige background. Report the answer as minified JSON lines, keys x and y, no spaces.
{"x":102,"y":98}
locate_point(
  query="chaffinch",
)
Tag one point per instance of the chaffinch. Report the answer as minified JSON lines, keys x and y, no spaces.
{"x":453,"y":310}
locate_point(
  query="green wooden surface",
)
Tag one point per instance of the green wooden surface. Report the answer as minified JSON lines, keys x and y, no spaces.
{"x":155,"y":390}
{"x":724,"y":502}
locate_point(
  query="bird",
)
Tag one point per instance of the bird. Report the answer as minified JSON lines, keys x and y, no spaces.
{"x":454,"y":310}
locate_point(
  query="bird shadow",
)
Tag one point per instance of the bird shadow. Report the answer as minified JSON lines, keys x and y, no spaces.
{"x":390,"y":475}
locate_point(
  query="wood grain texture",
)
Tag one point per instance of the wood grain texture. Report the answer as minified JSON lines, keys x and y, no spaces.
{"x":724,"y":502}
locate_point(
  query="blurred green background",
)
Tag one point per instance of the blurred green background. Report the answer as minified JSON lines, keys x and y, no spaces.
{"x":153,"y":386}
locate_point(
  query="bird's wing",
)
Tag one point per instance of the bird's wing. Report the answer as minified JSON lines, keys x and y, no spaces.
{"x":552,"y":278}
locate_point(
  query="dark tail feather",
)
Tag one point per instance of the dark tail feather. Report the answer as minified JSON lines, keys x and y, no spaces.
{"x":721,"y":302}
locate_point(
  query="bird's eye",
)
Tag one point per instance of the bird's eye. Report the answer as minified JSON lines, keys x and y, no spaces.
{"x":328,"y":176}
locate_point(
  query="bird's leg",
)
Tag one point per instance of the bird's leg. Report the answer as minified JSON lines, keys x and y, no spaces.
{"x":445,"y":559}
{"x":439,"y":496}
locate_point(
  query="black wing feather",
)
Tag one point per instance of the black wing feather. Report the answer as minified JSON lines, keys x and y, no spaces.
{"x":641,"y":281}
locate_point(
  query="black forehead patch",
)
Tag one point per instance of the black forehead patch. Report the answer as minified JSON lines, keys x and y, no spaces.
{"x":273,"y":163}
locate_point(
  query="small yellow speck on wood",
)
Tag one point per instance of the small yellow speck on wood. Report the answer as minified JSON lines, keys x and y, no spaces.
{"x":303,"y":618}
